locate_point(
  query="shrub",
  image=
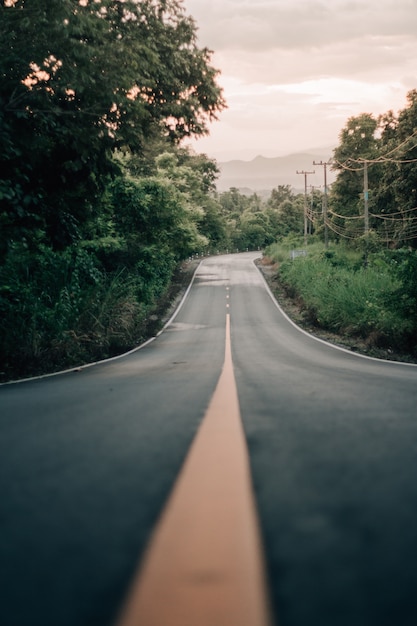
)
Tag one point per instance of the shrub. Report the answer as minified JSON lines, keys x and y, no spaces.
{"x":61,"y":309}
{"x":340,"y":295}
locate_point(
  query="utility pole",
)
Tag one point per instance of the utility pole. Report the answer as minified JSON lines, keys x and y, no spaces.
{"x":366,"y":195}
{"x":326,"y":231}
{"x":311,"y":218}
{"x":366,"y":209}
{"x":305,"y":202}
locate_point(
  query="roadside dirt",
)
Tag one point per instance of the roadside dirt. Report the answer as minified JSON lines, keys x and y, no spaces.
{"x":294,"y":310}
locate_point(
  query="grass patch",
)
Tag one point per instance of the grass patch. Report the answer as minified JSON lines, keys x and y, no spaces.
{"x":62,"y":309}
{"x":339,"y":294}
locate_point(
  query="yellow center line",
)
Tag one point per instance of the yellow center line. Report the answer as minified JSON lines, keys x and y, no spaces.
{"x":204,"y":565}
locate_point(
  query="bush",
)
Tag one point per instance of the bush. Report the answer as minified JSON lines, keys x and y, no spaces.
{"x":339,"y":294}
{"x":61,"y":309}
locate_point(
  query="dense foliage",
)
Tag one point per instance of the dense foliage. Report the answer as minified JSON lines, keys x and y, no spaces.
{"x":92,"y":224}
{"x":336,"y":292}
{"x":80,"y":79}
{"x":365,"y":283}
{"x":384,"y":151}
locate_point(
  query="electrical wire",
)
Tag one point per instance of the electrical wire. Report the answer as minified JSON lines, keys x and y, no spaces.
{"x":407,"y":232}
{"x":340,"y":231}
{"x":400,"y":145}
{"x":344,"y":165}
{"x":396,"y":213}
{"x":387,"y":218}
{"x":381,"y":159}
{"x":345,"y":217}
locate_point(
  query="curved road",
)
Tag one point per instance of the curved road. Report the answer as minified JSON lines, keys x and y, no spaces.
{"x":89,"y":458}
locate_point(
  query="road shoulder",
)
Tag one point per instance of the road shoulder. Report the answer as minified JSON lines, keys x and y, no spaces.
{"x":294,"y":309}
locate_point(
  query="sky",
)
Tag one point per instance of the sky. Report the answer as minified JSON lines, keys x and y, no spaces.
{"x":294,"y":71}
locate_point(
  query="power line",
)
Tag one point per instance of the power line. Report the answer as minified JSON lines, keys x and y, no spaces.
{"x":391,"y":217}
{"x":344,"y":165}
{"x":341,"y":231}
{"x":398,"y":226}
{"x":401,"y":144}
{"x":346,"y":217}
{"x":380,"y":159}
{"x":397,"y":230}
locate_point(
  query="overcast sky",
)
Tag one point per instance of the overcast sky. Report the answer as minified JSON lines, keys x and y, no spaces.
{"x":294,"y":71}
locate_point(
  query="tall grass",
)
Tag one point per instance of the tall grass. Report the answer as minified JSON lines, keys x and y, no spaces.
{"x":339,"y":294}
{"x":60,"y":309}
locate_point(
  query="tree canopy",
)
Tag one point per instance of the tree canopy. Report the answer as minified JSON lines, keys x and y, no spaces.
{"x":80,"y":79}
{"x":385,"y":150}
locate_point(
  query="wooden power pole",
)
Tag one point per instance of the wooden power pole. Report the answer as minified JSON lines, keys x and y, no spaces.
{"x":326,"y":231}
{"x":305,"y":202}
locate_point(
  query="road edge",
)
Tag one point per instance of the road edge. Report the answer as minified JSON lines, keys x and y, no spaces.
{"x":323,"y":341}
{"x":79,"y":368}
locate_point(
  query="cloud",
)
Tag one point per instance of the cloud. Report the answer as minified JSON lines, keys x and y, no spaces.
{"x":259,"y":25}
{"x":300,"y":69}
{"x":281,"y":40}
{"x":373,"y":60}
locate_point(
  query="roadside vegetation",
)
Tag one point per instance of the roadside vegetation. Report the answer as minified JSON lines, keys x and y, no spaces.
{"x":359,"y":276}
{"x":376,"y":303}
{"x":99,"y":202}
{"x":102,"y":205}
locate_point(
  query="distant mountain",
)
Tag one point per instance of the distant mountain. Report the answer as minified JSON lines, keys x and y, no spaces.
{"x":263,"y":174}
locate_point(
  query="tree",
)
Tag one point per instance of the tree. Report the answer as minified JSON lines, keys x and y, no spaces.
{"x":80,"y":79}
{"x":279,"y":195}
{"x":285,"y":212}
{"x":233,"y":201}
{"x":194,"y":177}
{"x":358,"y":143}
{"x":254,"y":232}
{"x":397,"y":190}
{"x":213,"y":225}
{"x":152,"y":213}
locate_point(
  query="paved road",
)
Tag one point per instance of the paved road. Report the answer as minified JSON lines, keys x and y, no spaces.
{"x":88,"y":459}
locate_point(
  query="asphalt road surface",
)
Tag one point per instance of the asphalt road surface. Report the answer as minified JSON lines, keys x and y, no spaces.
{"x":88,"y":459}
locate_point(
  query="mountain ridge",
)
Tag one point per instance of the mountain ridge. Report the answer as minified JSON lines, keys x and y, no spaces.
{"x":266,"y":173}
